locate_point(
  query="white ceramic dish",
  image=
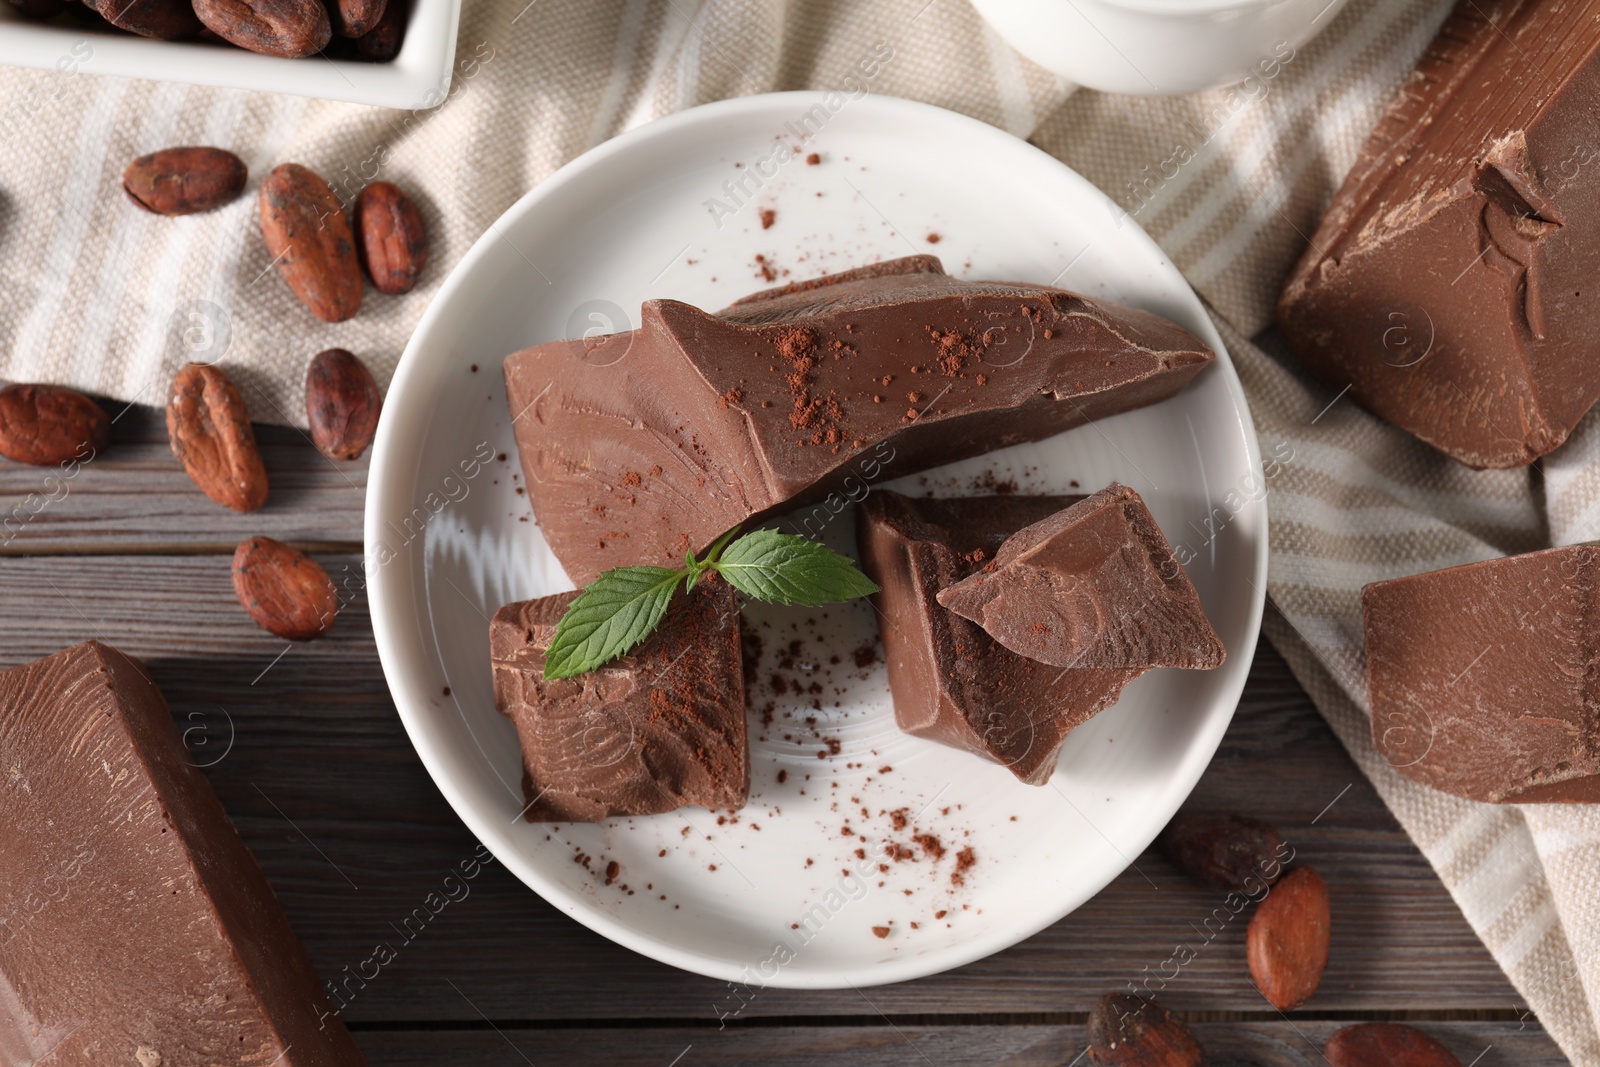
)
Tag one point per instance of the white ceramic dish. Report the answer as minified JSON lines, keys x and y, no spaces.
{"x":1159,"y":47}
{"x":417,"y":78}
{"x":631,"y":220}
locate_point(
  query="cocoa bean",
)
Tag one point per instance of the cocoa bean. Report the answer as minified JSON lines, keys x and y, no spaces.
{"x":394,"y":247}
{"x":309,"y":238}
{"x":354,"y":18}
{"x":1386,"y":1045}
{"x":47,"y":425}
{"x":288,"y":28}
{"x":383,"y":41}
{"x":185,"y":181}
{"x":1225,"y":851}
{"x":284,"y":590}
{"x":342,"y":404}
{"x":164,"y":20}
{"x":209,"y":428}
{"x":1128,"y":1031}
{"x":1287,"y":944}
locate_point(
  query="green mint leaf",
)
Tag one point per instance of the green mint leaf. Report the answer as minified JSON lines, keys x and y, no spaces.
{"x":786,"y":569}
{"x":612,"y":615}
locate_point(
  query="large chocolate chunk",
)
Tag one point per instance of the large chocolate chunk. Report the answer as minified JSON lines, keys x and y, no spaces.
{"x":1451,"y":285}
{"x":1482,"y":679}
{"x":135,"y":927}
{"x":1094,"y":585}
{"x":640,"y":447}
{"x":659,"y":728}
{"x":951,"y":681}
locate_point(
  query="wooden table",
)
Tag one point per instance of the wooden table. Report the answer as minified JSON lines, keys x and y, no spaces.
{"x":326,"y":789}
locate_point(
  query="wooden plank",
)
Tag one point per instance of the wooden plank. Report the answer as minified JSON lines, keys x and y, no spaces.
{"x":327,"y":790}
{"x":1278,"y":1043}
{"x":135,"y":497}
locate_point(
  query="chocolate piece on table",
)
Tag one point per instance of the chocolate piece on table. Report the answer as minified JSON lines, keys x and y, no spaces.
{"x":662,"y":727}
{"x":1094,"y":585}
{"x":1451,"y":284}
{"x":1480,"y":678}
{"x":135,"y":927}
{"x":640,"y":447}
{"x":951,"y":681}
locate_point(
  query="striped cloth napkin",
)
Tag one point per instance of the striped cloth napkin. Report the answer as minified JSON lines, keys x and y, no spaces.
{"x":1230,"y":181}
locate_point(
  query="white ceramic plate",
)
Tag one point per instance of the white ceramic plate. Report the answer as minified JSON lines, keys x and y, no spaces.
{"x":417,"y":78}
{"x":631,"y":220}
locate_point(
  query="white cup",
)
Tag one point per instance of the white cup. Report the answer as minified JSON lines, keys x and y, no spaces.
{"x":1158,"y":47}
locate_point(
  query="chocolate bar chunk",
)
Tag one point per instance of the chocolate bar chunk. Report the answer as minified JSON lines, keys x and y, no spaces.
{"x":1094,"y":585}
{"x":951,"y":681}
{"x":660,"y":728}
{"x":1481,"y":678}
{"x":640,"y":447}
{"x":135,"y":927}
{"x":1451,"y":285}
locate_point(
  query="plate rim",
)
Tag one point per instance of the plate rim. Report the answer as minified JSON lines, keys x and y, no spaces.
{"x":413,"y":708}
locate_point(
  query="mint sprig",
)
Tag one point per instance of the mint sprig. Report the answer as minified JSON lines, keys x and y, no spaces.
{"x":622,"y":607}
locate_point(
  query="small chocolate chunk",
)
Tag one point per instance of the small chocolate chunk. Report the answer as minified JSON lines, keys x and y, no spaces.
{"x":698,"y":422}
{"x":1094,"y":585}
{"x":1481,"y":678}
{"x":135,"y":927}
{"x":662,"y":727}
{"x":951,"y":681}
{"x":1451,"y":285}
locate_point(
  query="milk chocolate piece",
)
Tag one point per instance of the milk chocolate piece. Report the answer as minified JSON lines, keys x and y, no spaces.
{"x":1094,"y":585}
{"x":639,"y":447}
{"x":951,"y":681}
{"x":1482,"y":678}
{"x":135,"y":927}
{"x":1451,"y":284}
{"x":659,"y":728}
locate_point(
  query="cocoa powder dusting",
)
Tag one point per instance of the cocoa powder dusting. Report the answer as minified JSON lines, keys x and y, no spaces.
{"x":965,"y":860}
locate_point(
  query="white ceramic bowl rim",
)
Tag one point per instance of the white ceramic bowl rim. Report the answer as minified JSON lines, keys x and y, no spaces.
{"x":391,"y":481}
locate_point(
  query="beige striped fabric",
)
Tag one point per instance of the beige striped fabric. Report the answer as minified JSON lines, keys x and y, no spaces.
{"x":103,"y":297}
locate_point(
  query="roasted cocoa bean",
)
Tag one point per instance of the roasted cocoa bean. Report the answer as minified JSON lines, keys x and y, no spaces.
{"x":342,"y":404}
{"x":209,"y":428}
{"x":310,"y":239}
{"x":394,"y":247}
{"x":185,"y":181}
{"x":284,"y":590}
{"x":47,"y":425}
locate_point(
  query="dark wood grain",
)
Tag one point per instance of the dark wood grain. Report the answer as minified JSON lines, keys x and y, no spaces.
{"x":135,"y":497}
{"x":1263,"y":1044}
{"x":327,"y":790}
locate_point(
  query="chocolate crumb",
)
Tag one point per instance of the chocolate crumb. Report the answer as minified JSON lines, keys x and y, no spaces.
{"x":768,"y":217}
{"x":880,"y":931}
{"x":965,"y":859}
{"x":813,"y":159}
